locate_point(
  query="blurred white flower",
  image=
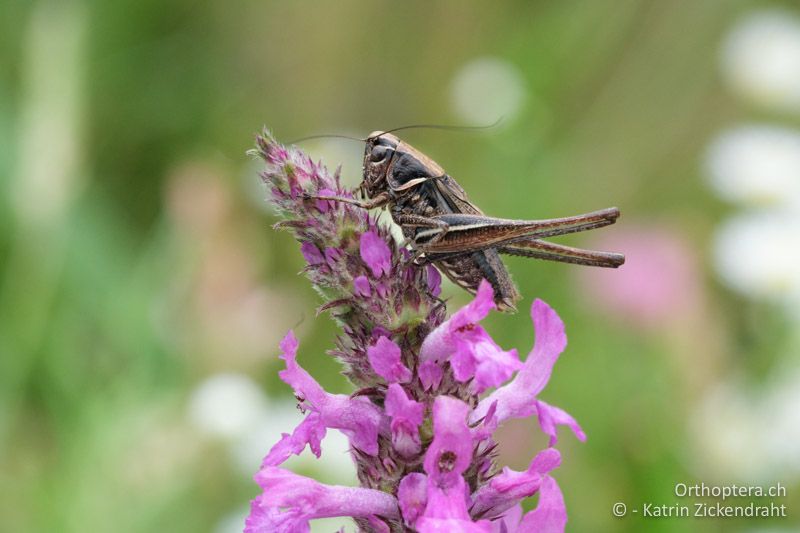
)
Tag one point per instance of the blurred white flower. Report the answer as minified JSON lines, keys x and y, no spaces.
{"x":726,"y":434}
{"x":761,"y":59}
{"x":283,"y":417}
{"x":50,"y":172}
{"x":757,"y":165}
{"x":750,"y":436}
{"x":783,"y":437}
{"x":233,"y":407}
{"x":487,"y":89}
{"x":757,"y":254}
{"x":227,"y":405}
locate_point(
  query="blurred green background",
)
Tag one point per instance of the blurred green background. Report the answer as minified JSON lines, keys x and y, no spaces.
{"x":143,"y":292}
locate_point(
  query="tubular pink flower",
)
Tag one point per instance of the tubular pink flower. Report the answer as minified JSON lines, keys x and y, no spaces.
{"x":406,"y":415}
{"x":494,"y":365}
{"x":446,"y":511}
{"x":517,"y":399}
{"x":376,"y":254}
{"x":356,"y":417}
{"x":448,"y":456}
{"x":450,"y":452}
{"x":469,"y":348}
{"x":439,"y":345}
{"x":289,"y":501}
{"x":508,"y":488}
{"x":384,"y":356}
{"x":310,"y":431}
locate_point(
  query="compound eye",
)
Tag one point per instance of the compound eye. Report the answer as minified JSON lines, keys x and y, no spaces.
{"x":378,"y":154}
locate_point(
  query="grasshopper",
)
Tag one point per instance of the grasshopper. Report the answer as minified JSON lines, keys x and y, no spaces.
{"x":445,"y":229}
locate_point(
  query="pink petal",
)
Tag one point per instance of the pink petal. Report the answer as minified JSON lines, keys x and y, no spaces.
{"x":310,"y":431}
{"x":434,"y":280}
{"x":550,"y":416}
{"x":430,"y":374}
{"x":356,"y":417}
{"x":289,"y":501}
{"x":311,"y":253}
{"x":413,"y":496}
{"x":361,"y":287}
{"x":440,"y":344}
{"x":509,"y":487}
{"x":384,"y":356}
{"x":332,"y":256}
{"x":494,"y":365}
{"x":376,"y":253}
{"x":325,"y":205}
{"x":446,"y":511}
{"x":550,"y":515}
{"x":550,"y":342}
{"x":517,"y":398}
{"x":406,"y":415}
{"x":450,"y":452}
{"x":509,"y":521}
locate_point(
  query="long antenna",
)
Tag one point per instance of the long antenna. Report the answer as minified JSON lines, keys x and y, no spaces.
{"x":444,"y":127}
{"x":325,"y":136}
{"x":450,"y":127}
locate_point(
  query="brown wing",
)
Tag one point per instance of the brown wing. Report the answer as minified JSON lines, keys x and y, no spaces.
{"x":469,"y":269}
{"x":454,"y":196}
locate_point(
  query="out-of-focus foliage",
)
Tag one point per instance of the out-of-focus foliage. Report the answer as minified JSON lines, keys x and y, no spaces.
{"x":143,"y":292}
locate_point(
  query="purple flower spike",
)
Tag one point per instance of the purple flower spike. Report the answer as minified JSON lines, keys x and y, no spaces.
{"x":289,"y":501}
{"x":384,"y":357}
{"x":407,"y":415}
{"x":357,"y":417}
{"x":517,"y":399}
{"x":376,"y":254}
{"x":416,"y":376}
